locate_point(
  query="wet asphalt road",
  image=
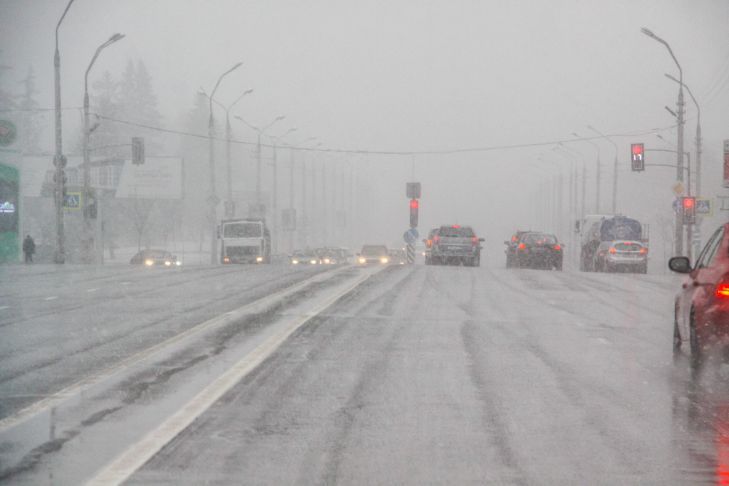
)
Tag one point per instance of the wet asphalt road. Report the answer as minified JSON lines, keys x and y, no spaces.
{"x":454,"y":375}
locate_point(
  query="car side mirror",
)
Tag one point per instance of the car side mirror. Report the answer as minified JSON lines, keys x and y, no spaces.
{"x":680,"y":264}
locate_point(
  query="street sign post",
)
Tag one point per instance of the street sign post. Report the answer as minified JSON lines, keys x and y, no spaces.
{"x":726,"y":163}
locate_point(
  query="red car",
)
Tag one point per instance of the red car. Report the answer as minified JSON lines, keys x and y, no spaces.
{"x":702,"y":306}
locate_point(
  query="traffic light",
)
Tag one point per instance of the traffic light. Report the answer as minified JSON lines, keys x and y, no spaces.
{"x":414,"y":205}
{"x":637,"y":157}
{"x":688,"y":204}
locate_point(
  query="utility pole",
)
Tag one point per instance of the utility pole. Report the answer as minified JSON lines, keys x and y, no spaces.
{"x":614,"y":207}
{"x":678,"y":236}
{"x":213,"y":197}
{"x":697,"y":181}
{"x":88,"y":240}
{"x":59,"y":160}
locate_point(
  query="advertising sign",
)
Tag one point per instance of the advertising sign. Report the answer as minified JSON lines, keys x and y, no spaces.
{"x":157,"y":178}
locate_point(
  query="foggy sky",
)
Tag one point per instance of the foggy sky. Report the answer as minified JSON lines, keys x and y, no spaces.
{"x":414,"y":76}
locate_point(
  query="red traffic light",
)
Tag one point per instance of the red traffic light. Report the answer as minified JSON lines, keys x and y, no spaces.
{"x":689,"y":202}
{"x":637,"y":148}
{"x":414,"y":204}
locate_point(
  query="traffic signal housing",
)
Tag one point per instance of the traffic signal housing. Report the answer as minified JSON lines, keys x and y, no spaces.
{"x":414,"y":206}
{"x":688,"y":206}
{"x":637,"y":157}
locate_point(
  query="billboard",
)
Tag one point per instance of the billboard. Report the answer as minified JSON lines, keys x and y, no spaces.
{"x":157,"y":178}
{"x":9,"y":213}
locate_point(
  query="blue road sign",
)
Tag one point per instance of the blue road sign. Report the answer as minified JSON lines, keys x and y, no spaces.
{"x":410,"y":236}
{"x":72,"y":200}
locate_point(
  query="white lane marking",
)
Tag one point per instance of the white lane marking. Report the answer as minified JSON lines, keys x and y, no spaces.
{"x":3,"y":307}
{"x":138,"y":454}
{"x":603,"y":340}
{"x":74,"y":388}
{"x":125,"y":283}
{"x":52,"y":297}
{"x":91,"y":290}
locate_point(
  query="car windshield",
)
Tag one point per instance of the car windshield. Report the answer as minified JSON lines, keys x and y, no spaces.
{"x":354,"y":242}
{"x":242,"y":230}
{"x":374,"y":250}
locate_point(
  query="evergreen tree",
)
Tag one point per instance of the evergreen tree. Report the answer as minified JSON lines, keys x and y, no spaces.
{"x":138,"y":104}
{"x":107,"y":135}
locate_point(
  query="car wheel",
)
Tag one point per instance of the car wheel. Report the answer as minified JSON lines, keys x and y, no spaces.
{"x":697,"y":352}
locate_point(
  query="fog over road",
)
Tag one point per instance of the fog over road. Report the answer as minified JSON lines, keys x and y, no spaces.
{"x":417,"y":374}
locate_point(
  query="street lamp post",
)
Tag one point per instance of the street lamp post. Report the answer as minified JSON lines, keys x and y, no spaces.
{"x":274,"y":209}
{"x":213,"y":197}
{"x":614,"y":206}
{"x":697,"y":181}
{"x":678,"y":237}
{"x":88,"y":239}
{"x":597,"y":170}
{"x":59,"y":160}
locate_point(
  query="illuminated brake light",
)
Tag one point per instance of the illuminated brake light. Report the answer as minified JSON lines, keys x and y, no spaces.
{"x":612,"y":250}
{"x":643,"y":251}
{"x":474,"y":240}
{"x":521,"y":246}
{"x":557,"y":247}
{"x":456,"y":226}
{"x":722,"y":290}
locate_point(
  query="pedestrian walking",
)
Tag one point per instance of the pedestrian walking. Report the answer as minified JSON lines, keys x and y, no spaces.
{"x":28,"y":248}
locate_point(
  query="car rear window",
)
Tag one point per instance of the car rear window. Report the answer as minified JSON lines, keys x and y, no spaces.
{"x":449,"y":231}
{"x":628,"y":246}
{"x":540,"y":239}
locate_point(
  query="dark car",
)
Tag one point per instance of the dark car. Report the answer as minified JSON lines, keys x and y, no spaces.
{"x":702,"y":305}
{"x":373,"y":254}
{"x":456,"y":244}
{"x":538,"y":250}
{"x":398,"y":257}
{"x":152,"y":258}
{"x":305,"y":257}
{"x":511,"y":247}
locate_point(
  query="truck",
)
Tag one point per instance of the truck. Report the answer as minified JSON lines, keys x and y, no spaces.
{"x":597,"y":231}
{"x":244,"y":241}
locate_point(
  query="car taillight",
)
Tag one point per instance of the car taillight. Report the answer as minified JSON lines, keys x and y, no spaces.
{"x":557,"y":247}
{"x":436,"y":239}
{"x":722,"y":290}
{"x":474,"y":241}
{"x":521,"y":246}
{"x":612,"y":250}
{"x":643,"y":251}
{"x":428,"y":243}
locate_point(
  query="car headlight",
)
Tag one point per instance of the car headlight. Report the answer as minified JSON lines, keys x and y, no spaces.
{"x":168,"y":263}
{"x":384,"y":260}
{"x":327,"y":261}
{"x":295,"y":262}
{"x":313,"y":262}
{"x":178,"y":263}
{"x":363,"y":260}
{"x":259,"y":259}
{"x":149,"y":262}
{"x":226,"y":260}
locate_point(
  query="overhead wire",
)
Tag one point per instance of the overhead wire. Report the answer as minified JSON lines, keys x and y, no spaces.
{"x":452,"y":151}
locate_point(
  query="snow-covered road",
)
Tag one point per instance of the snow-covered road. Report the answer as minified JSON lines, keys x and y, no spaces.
{"x":413,"y":375}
